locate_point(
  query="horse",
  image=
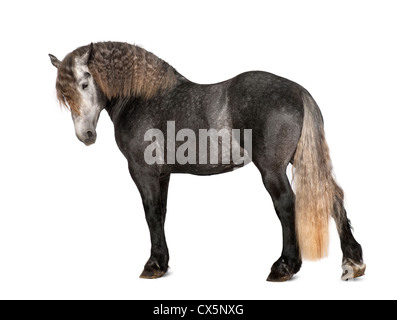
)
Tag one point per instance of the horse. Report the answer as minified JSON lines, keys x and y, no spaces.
{"x":144,"y":94}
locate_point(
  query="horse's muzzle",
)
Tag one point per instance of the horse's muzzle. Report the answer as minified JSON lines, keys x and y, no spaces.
{"x":88,"y":138}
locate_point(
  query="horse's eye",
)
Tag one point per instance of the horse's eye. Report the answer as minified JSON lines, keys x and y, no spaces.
{"x":84,"y":86}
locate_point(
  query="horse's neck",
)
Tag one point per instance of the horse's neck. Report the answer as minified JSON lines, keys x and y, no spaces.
{"x":115,"y":106}
{"x":118,"y":106}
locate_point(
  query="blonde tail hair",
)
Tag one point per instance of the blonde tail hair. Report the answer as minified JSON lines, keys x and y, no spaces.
{"x":315,"y":188}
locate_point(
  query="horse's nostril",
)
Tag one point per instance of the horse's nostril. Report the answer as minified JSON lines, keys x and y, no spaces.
{"x":90,"y":135}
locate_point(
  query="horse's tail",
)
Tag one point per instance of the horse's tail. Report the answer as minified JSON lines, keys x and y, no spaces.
{"x":315,"y":188}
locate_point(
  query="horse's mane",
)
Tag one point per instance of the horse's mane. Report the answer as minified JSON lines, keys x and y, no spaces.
{"x":119,"y":69}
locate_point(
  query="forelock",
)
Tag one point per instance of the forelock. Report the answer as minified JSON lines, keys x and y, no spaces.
{"x":66,"y":84}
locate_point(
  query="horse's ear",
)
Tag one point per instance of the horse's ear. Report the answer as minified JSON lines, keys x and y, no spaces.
{"x":90,"y":54}
{"x":86,"y":58}
{"x":55,"y":62}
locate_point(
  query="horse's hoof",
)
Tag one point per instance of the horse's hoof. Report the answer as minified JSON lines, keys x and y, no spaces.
{"x":147,"y":274}
{"x":352,"y":270}
{"x":282,"y":271}
{"x":278,"y":277}
{"x":152,"y":270}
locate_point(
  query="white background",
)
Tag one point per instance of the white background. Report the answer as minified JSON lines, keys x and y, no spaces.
{"x":71,"y":221}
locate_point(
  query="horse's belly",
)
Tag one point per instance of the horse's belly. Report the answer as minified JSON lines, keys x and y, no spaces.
{"x":206,"y":170}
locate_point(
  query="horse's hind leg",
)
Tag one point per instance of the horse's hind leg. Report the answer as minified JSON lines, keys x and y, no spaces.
{"x":279,"y":188}
{"x":352,"y":264}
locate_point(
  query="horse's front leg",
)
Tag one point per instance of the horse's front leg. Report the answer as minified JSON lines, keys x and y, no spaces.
{"x":149,"y":187}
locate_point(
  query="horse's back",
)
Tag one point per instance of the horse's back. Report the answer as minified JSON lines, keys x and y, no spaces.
{"x":258,"y":95}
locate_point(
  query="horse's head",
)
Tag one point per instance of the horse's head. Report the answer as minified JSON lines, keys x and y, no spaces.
{"x":77,"y":91}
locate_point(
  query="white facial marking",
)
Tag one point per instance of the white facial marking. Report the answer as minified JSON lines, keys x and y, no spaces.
{"x":85,"y":123}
